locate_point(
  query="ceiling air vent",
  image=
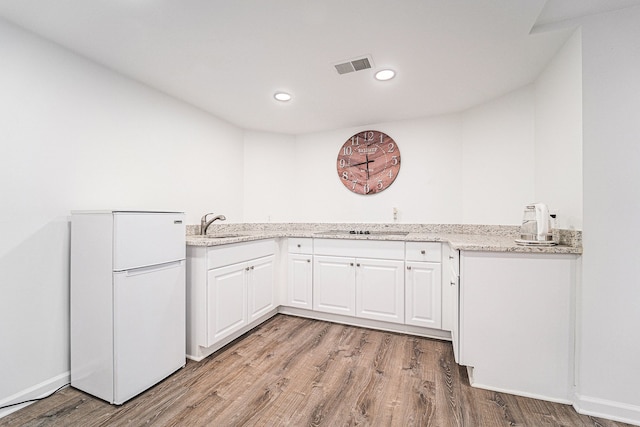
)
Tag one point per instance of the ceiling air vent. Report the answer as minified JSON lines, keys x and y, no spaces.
{"x":354,"y":65}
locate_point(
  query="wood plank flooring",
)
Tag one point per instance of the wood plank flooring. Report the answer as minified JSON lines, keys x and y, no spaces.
{"x":293,"y":371}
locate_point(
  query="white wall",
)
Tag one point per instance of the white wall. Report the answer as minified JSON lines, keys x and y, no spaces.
{"x":498,"y":159}
{"x":475,"y":167}
{"x":558,"y":135}
{"x":609,"y":346}
{"x":269,"y":162}
{"x":77,"y":136}
{"x":426,"y":190}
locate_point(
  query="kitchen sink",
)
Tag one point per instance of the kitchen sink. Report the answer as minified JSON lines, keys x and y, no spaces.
{"x":221,"y":236}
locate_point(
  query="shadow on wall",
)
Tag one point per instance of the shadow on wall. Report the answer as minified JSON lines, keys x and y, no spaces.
{"x":34,"y":308}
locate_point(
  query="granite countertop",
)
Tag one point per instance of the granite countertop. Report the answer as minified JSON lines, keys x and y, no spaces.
{"x":493,"y":239}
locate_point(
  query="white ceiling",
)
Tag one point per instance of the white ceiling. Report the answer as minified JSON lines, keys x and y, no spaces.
{"x":229,"y":57}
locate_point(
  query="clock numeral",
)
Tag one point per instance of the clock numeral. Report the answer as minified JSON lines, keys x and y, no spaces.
{"x":355,"y":181}
{"x":392,"y":147}
{"x":345,"y":175}
{"x":381,"y":138}
{"x":394,"y":160}
{"x":380,"y":185}
{"x":390,"y":174}
{"x":368,"y":136}
{"x":365,"y":187}
{"x":355,"y":140}
{"x":343,"y":163}
{"x":347,"y":151}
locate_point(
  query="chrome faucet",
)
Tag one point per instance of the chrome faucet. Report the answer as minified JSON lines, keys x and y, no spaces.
{"x":204,"y":224}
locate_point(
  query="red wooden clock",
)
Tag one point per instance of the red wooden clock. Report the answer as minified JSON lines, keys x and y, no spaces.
{"x":368,"y":162}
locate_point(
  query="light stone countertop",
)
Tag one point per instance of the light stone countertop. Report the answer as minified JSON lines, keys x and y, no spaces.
{"x":489,"y":240}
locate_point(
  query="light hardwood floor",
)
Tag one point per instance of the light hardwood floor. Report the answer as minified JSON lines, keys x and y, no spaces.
{"x":298,"y":372}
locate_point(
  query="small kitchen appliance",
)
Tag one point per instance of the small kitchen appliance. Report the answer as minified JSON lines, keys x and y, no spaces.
{"x":537,"y":226}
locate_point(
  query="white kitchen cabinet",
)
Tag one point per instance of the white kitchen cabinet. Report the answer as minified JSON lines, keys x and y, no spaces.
{"x":423,"y":295}
{"x":300,"y":273}
{"x":260,"y":284}
{"x":423,"y":285}
{"x":334,"y":285}
{"x":517,"y":321}
{"x":361,"y":278}
{"x":362,"y":287}
{"x":226,"y":301}
{"x":238,"y":294}
{"x":380,"y":289}
{"x":451,"y":295}
{"x":230,"y":288}
{"x":300,"y":281}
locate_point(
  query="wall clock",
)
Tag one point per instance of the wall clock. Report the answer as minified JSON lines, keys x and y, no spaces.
{"x":368,"y":162}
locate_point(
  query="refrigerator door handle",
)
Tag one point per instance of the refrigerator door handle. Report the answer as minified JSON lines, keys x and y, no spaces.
{"x":152,"y":268}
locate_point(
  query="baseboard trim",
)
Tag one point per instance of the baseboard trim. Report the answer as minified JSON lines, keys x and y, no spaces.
{"x":609,"y":409}
{"x":34,"y":392}
{"x":204,"y":352}
{"x":367,"y":323}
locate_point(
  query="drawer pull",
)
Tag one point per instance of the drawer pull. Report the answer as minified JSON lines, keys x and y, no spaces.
{"x":247,"y":268}
{"x":252,"y":267}
{"x":299,"y":245}
{"x":308,"y":260}
{"x":423,"y":252}
{"x":351,"y":264}
{"x":408,"y":267}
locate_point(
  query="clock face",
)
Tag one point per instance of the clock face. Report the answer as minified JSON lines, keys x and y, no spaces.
{"x":368,"y":162}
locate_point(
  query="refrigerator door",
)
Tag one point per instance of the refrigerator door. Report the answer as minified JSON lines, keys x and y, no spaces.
{"x":144,"y":238}
{"x":149,"y":327}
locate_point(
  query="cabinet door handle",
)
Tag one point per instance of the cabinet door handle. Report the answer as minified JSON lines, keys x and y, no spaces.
{"x":299,"y":245}
{"x":408,"y":267}
{"x":358,"y":265}
{"x":453,"y":283}
{"x":351,"y":264}
{"x":423,"y":252}
{"x":246,"y":268}
{"x":450,"y":256}
{"x":252,"y":267}
{"x":308,"y":260}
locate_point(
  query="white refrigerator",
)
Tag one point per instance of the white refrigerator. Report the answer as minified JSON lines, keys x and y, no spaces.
{"x":127,"y":301}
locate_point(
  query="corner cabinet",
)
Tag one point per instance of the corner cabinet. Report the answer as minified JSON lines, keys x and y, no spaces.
{"x":230,"y":288}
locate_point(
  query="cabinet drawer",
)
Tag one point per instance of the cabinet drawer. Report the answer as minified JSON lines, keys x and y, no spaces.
{"x":219,"y":256}
{"x":300,"y":245}
{"x":424,"y":251}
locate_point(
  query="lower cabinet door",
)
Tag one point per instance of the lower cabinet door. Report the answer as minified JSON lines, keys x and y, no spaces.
{"x":334,"y":280}
{"x":300,"y":281}
{"x":226,"y":301}
{"x":423,"y":294}
{"x":260,"y":287}
{"x":380,"y":289}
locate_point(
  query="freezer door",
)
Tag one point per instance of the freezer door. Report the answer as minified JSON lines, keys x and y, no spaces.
{"x":149,"y":327}
{"x":143,"y":238}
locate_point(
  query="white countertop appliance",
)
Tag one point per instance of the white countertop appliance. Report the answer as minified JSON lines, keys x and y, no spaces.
{"x":127,"y":301}
{"x":536,"y":226}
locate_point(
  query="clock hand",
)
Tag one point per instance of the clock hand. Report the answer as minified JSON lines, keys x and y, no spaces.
{"x":367,"y":162}
{"x":362,"y":163}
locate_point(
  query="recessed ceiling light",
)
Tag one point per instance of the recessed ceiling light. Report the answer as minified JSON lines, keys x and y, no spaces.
{"x":385,"y":75}
{"x":282,"y":96}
